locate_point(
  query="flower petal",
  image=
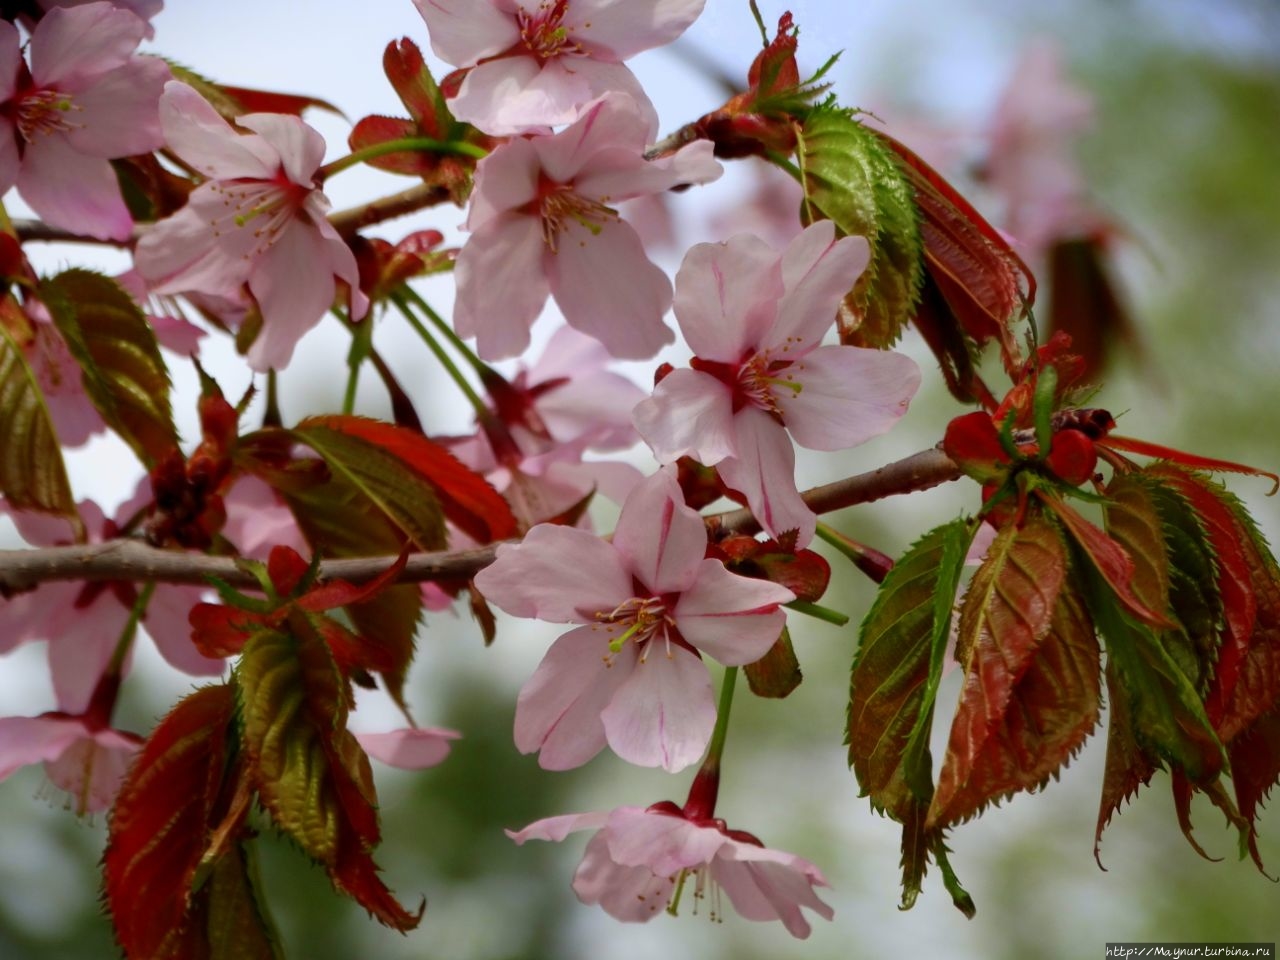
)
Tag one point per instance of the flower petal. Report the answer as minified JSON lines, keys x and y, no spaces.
{"x":847,"y":395}
{"x":733,"y":618}
{"x":817,"y":272}
{"x":167,"y":624}
{"x":512,"y":95}
{"x":506,"y":180}
{"x":556,"y":829}
{"x":620,"y":175}
{"x":198,"y":134}
{"x":664,"y":843}
{"x":72,"y":45}
{"x":764,"y":473}
{"x":664,"y":712}
{"x":607,"y":288}
{"x":298,"y":145}
{"x":726,"y":296}
{"x":81,"y":648}
{"x":612,"y":125}
{"x":71,"y":190}
{"x":119,"y":115}
{"x":92,"y":768}
{"x":182,"y":253}
{"x":28,"y":740}
{"x":607,"y":28}
{"x":662,"y":540}
{"x":465,"y":31}
{"x":558,"y":574}
{"x":501,"y":285}
{"x":558,"y":711}
{"x":771,"y":889}
{"x":689,"y":414}
{"x":410,"y":748}
{"x":630,"y":894}
{"x":294,"y":287}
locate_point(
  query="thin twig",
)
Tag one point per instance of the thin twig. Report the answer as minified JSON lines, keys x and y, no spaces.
{"x":133,"y":560}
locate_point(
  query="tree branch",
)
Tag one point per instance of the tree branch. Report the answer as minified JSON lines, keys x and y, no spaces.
{"x":133,"y":560}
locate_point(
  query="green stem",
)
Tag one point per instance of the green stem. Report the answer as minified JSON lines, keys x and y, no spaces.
{"x":721,"y":730}
{"x":361,"y":343}
{"x":271,"y":415}
{"x":482,"y":410}
{"x":455,"y":148}
{"x":446,"y":331}
{"x":818,"y":612}
{"x":130,"y":628}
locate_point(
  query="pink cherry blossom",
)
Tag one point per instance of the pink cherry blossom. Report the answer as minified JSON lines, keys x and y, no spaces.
{"x":536,"y":63}
{"x":258,"y":219}
{"x":639,"y":859}
{"x":542,"y":223}
{"x":1031,"y":164}
{"x":756,"y":321}
{"x":650,"y":605}
{"x":83,"y":622}
{"x":88,"y":764}
{"x":86,"y":99}
{"x":410,"y":748}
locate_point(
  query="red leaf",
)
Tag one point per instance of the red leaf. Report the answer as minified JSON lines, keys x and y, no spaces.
{"x":403,"y":64}
{"x":1255,"y":769}
{"x":1110,"y":560}
{"x":269,"y":101}
{"x":221,"y":631}
{"x":373,"y":130}
{"x":161,"y":823}
{"x":1194,"y":461}
{"x":973,"y":442}
{"x":286,"y":568}
{"x":1006,"y":616}
{"x":339,"y":593}
{"x":466,"y":497}
{"x":1128,"y":766}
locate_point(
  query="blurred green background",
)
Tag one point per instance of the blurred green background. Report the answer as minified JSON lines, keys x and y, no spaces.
{"x":1185,"y":153}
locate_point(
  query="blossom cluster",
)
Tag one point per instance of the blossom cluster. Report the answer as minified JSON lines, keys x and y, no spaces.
{"x":559,"y":134}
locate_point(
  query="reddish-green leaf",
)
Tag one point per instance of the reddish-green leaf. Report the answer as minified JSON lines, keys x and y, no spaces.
{"x":1255,"y":769}
{"x":124,"y":374}
{"x":161,"y":824}
{"x":1008,"y":611}
{"x":32,"y":473}
{"x":417,"y":89}
{"x":1112,"y":563}
{"x":467,"y":499}
{"x":373,"y":130}
{"x":1128,"y":766}
{"x":309,"y":771}
{"x":250,"y":100}
{"x":777,"y":673}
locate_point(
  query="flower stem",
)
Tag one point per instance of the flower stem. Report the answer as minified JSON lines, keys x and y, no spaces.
{"x":271,"y":415}
{"x":102,"y":702}
{"x":873,"y":563}
{"x":361,"y":344}
{"x":446,"y":331}
{"x":818,"y":612}
{"x":701,"y":803}
{"x":457,"y":148}
{"x":482,"y":409}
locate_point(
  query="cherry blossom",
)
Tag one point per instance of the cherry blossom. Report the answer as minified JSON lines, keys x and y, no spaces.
{"x":650,"y":605}
{"x":259,"y":219}
{"x":639,"y":860}
{"x":87,"y":763}
{"x":1031,"y":164}
{"x":536,"y":63}
{"x":755,"y":320}
{"x":87,"y":98}
{"x":542,"y":223}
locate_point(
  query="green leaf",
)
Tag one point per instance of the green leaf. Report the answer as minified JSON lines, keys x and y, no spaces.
{"x":895,"y":675}
{"x":124,"y":374}
{"x":32,"y":473}
{"x":851,"y":178}
{"x":1030,"y":693}
{"x":229,"y":921}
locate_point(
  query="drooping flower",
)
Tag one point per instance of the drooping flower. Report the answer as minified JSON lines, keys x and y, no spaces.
{"x":639,"y":860}
{"x":536,"y":63}
{"x":755,"y":320}
{"x":649,"y":605}
{"x":259,"y":219}
{"x":86,"y":99}
{"x":89,"y":764}
{"x":542,"y":223}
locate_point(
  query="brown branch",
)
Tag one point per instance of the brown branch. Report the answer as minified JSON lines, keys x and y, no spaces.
{"x":134,"y":560}
{"x":39,"y":230}
{"x":347,"y":222}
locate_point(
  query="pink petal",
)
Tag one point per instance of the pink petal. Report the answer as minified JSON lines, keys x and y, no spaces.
{"x":619,"y":181}
{"x":558,"y":711}
{"x":299,"y":146}
{"x":662,"y":540}
{"x":28,"y":740}
{"x":10,"y":161}
{"x":506,"y":180}
{"x":663,"y":714}
{"x":81,"y":649}
{"x":557,"y":574}
{"x":726,"y":295}
{"x":183,"y":253}
{"x":465,"y":31}
{"x":817,"y":272}
{"x":764,"y":473}
{"x":630,"y":894}
{"x":293,"y":284}
{"x":119,"y":115}
{"x":689,"y":414}
{"x":177,"y":335}
{"x":611,"y":30}
{"x":258,"y":520}
{"x":501,"y":285}
{"x":93,"y":768}
{"x":664,"y":843}
{"x":557,"y":828}
{"x":607,"y":288}
{"x":735,"y":619}
{"x":847,"y":395}
{"x":70,"y":46}
{"x":198,"y":134}
{"x":512,"y":95}
{"x":341,"y":261}
{"x":411,"y":748}
{"x":167,"y":624}
{"x":74,"y":416}
{"x":612,"y":126}
{"x":762,"y":890}
{"x":73,"y":191}
{"x":10,"y":62}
